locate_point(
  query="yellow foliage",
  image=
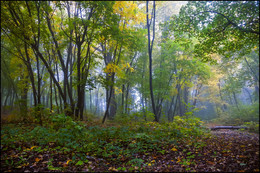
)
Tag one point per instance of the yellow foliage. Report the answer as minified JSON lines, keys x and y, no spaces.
{"x":111,"y":68}
{"x":117,"y":90}
{"x":132,"y":69}
{"x":174,"y":149}
{"x":32,"y":147}
{"x":68,"y":161}
{"x":129,"y":12}
{"x":179,"y":160}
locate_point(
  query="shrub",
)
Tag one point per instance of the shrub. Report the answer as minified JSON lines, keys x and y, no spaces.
{"x":252,"y":126}
{"x":245,"y":113}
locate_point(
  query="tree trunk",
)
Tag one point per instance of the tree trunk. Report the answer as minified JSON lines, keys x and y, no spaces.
{"x":39,"y":115}
{"x":30,"y":72}
{"x":108,"y":102}
{"x":122,"y":100}
{"x":90,"y":101}
{"x":150,"y":47}
{"x":24,"y":96}
{"x":170,"y":109}
{"x":7,"y":96}
{"x":180,"y":104}
{"x":235,"y":98}
{"x":250,"y":97}
{"x":185,"y":98}
{"x":227,"y":127}
{"x":96,"y":105}
{"x":56,"y":99}
{"x":113,"y":105}
{"x":50,"y":94}
{"x":126,"y":99}
{"x":82,"y":103}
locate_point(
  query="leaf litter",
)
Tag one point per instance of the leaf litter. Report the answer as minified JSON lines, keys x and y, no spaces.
{"x":223,"y":151}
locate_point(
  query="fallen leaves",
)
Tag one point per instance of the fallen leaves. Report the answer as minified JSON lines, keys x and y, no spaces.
{"x":174,"y":149}
{"x":68,"y":161}
{"x":211,"y":163}
{"x":37,"y":159}
{"x":223,"y":152}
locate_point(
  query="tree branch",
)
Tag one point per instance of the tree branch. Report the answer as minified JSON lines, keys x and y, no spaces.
{"x":232,"y":23}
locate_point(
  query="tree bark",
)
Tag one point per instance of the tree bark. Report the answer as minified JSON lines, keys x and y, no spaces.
{"x":250,"y":97}
{"x":227,"y":127}
{"x":150,"y":48}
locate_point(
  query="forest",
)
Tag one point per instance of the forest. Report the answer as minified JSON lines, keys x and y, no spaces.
{"x":130,"y":86}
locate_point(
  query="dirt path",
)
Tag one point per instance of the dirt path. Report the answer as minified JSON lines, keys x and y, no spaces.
{"x":225,"y":151}
{"x":235,"y":150}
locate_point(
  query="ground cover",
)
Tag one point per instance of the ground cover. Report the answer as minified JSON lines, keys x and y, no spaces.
{"x":63,"y":145}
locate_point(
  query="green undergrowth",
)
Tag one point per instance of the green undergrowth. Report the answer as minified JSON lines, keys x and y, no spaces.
{"x":244,"y":115}
{"x":118,"y":144}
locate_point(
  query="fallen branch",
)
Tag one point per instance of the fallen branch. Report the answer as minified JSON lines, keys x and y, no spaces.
{"x":227,"y":127}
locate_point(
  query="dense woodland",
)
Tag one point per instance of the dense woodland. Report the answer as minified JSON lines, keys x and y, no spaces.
{"x":129,"y":85}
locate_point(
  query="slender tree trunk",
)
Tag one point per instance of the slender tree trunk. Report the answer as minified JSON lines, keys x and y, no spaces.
{"x":96,"y":105}
{"x":82,"y":103}
{"x":150,"y":47}
{"x":7,"y":96}
{"x":122,"y":100}
{"x":235,"y":98}
{"x":78,"y":82}
{"x":249,"y":95}
{"x":108,"y":102}
{"x":180,"y":104}
{"x":186,"y":99}
{"x":50,"y":94}
{"x":175,"y":108}
{"x":12,"y":100}
{"x":170,"y":109}
{"x":39,"y":115}
{"x":90,"y":101}
{"x":30,"y":72}
{"x":56,"y":99}
{"x":126,"y":98}
{"x":251,"y":70}
{"x":24,"y":96}
{"x":143,"y":107}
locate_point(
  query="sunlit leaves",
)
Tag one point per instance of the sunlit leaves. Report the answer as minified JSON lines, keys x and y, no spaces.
{"x":112,"y":68}
{"x":129,"y":12}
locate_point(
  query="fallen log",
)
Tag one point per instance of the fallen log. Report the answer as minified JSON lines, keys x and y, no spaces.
{"x":227,"y":127}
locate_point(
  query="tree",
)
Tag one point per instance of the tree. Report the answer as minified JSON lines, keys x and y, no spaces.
{"x":150,"y":49}
{"x":223,"y":27}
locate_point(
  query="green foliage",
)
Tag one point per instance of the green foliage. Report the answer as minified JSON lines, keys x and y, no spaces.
{"x":252,"y":126}
{"x":109,"y":142}
{"x":40,"y":135}
{"x":221,"y":27}
{"x":60,"y":121}
{"x":235,"y":116}
{"x":135,"y":162}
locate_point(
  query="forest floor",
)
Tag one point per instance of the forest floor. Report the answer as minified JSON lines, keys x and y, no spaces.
{"x":223,"y":151}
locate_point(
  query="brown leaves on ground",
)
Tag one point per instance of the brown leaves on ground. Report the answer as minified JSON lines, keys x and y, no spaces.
{"x":225,"y":151}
